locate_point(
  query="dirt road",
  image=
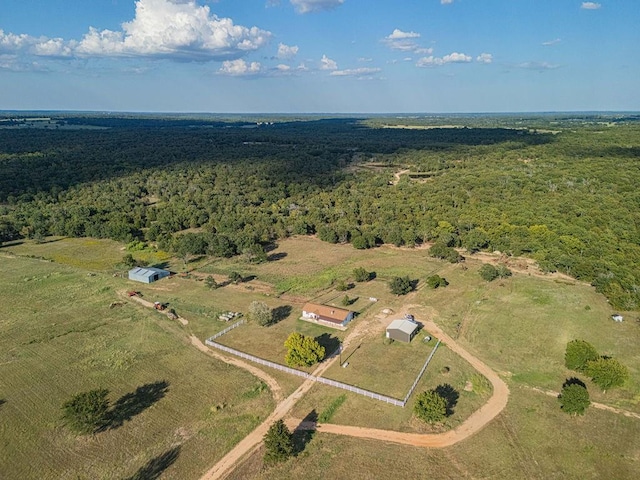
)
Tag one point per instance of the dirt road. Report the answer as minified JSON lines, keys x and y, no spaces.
{"x":478,"y":420}
{"x":252,"y":441}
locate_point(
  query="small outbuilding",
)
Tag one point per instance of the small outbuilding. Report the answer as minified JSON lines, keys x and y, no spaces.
{"x":147,"y":274}
{"x":402,"y":330}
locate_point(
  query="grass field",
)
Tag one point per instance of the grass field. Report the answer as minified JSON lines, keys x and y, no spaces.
{"x":531,"y":439}
{"x":59,"y":337}
{"x":85,"y":253}
{"x":377,"y":414}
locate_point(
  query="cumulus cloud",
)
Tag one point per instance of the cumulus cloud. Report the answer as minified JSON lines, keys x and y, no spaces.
{"x":176,"y":29}
{"x":355,"y":72}
{"x":283,"y":68}
{"x":552,"y":42}
{"x":308,"y":6}
{"x":327,"y":64}
{"x":239,"y":67}
{"x":446,"y":2}
{"x":286,"y":52}
{"x":454,"y":57}
{"x":403,"y":41}
{"x":590,"y":6}
{"x":485,"y":58}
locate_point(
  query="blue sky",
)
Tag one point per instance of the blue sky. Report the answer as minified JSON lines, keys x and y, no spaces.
{"x":341,"y":56}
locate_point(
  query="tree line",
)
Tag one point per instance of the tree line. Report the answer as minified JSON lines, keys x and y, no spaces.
{"x":567,"y":200}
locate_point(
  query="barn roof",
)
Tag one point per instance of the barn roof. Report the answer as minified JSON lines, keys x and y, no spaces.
{"x":405,"y":326}
{"x":147,"y":272}
{"x":326,"y":312}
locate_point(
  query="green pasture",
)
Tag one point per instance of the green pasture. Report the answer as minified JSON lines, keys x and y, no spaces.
{"x":532,"y":438}
{"x":59,"y":337}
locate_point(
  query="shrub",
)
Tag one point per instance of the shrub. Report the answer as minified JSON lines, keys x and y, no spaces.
{"x":574,"y":398}
{"x":578,"y":354}
{"x":430,"y":407}
{"x":401,"y":285}
{"x":488,"y":272}
{"x":435,"y":281}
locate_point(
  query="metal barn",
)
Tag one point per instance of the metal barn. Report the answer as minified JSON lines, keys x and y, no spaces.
{"x":148,"y":274}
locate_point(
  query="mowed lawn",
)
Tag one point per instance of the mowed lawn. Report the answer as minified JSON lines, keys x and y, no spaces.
{"x":58,"y":337}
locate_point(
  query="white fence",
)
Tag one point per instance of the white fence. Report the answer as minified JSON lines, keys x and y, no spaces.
{"x":326,"y":381}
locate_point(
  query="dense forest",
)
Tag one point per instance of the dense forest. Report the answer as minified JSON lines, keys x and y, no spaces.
{"x":560,"y":189}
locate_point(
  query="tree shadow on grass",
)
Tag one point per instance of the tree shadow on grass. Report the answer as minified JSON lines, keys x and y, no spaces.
{"x":304,"y":432}
{"x":280,"y":313}
{"x":2,"y":401}
{"x":329,"y":343}
{"x":573,"y":381}
{"x":274,"y":257}
{"x":131,"y":404}
{"x":450,"y":394}
{"x":156,"y":466}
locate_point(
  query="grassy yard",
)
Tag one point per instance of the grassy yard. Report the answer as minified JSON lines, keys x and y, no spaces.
{"x":58,"y":337}
{"x":445,"y":368}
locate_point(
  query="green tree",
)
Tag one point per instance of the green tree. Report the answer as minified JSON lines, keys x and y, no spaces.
{"x":235,"y":277}
{"x":401,"y":285}
{"x":578,"y":354}
{"x":435,"y":281}
{"x":488,"y":272}
{"x":303,"y":351}
{"x":346,"y":301}
{"x":574,"y":398}
{"x":87,"y":411}
{"x":260,"y":313}
{"x":361,"y":275}
{"x":342,"y":286}
{"x":430,"y":407}
{"x":278,"y":442}
{"x":503,"y":271}
{"x":211,"y":282}
{"x":607,"y":372}
{"x":129,"y":261}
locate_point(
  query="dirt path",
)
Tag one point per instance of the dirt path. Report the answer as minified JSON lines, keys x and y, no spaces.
{"x":478,"y":420}
{"x":397,"y":175}
{"x":271,"y":382}
{"x":252,"y":441}
{"x":149,"y":304}
{"x":600,"y":406}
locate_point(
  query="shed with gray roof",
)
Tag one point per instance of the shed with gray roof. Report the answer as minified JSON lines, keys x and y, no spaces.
{"x":148,"y":274}
{"x":402,"y":330}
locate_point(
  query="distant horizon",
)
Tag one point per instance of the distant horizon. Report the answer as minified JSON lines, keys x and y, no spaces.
{"x":316,"y":56}
{"x":338,"y":114}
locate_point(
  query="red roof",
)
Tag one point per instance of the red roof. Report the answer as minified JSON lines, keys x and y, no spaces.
{"x":327,"y":313}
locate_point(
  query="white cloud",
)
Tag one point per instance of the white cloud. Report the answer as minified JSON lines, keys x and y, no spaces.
{"x":446,"y":2}
{"x":590,"y":6}
{"x":239,"y":68}
{"x":485,"y":58}
{"x":365,"y":59}
{"x":283,"y":68}
{"x":552,"y":42}
{"x":287,"y":52}
{"x":327,"y":64}
{"x":405,"y":42}
{"x":176,"y":29}
{"x":355,"y":72}
{"x":454,"y":57}
{"x":539,"y":66}
{"x":308,"y":6}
